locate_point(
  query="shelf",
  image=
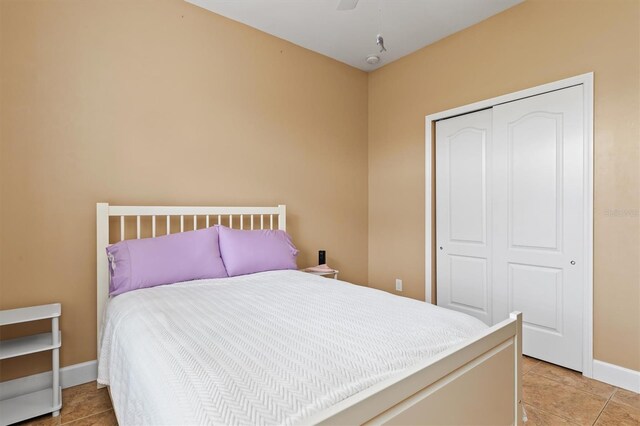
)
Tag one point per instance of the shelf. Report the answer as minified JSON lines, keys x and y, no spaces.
{"x":33,"y":313}
{"x":28,"y":345}
{"x":28,"y":406}
{"x":33,"y":404}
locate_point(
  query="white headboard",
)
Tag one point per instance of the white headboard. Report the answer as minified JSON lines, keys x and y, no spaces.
{"x":245,"y":218}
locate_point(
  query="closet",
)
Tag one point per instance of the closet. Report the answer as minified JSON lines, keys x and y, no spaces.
{"x":510,"y":219}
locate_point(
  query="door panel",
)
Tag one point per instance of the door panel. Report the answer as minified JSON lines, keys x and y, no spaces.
{"x":538,"y":201}
{"x":462,"y":214}
{"x":466,"y":186}
{"x":537,"y":291}
{"x":535,"y":168}
{"x":468,"y":283}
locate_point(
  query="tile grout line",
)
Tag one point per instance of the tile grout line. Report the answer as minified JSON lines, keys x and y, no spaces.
{"x":90,"y":415}
{"x":605,"y":406}
{"x":550,"y":413}
{"x":572,"y":386}
{"x":85,"y":417}
{"x":577,"y":388}
{"x":621,"y":402}
{"x":531,"y":371}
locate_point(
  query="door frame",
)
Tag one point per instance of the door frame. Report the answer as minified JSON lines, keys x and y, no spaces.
{"x":586,"y":80}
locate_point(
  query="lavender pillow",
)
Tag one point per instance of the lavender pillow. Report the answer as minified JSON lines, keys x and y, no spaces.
{"x":247,"y":252}
{"x":150,"y":262}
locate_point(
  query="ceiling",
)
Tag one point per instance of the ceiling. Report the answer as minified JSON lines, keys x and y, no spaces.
{"x":350,"y":35}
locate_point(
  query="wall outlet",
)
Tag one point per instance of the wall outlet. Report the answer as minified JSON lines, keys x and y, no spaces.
{"x":398,"y":284}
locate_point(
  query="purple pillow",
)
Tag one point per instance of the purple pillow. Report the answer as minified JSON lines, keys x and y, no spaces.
{"x":149,"y":262}
{"x":247,"y":252}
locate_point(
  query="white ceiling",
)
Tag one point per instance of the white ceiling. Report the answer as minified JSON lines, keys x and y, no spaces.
{"x":350,"y":36}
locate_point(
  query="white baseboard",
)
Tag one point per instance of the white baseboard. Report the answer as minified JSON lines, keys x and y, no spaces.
{"x":71,"y":375}
{"x":617,"y":376}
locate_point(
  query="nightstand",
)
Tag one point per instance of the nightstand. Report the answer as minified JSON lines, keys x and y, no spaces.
{"x":44,"y":401}
{"x":331,"y":273}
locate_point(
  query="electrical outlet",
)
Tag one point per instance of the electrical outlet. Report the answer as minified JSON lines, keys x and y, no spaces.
{"x":398,"y":284}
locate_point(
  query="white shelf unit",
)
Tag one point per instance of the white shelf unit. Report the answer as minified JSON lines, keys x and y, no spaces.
{"x":45,"y":401}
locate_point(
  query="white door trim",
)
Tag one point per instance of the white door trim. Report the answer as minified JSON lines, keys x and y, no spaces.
{"x":586,"y":80}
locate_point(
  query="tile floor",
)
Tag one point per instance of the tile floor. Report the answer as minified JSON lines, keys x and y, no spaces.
{"x":83,"y":405}
{"x":552,"y":396}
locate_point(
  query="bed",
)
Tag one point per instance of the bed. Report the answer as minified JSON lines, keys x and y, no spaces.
{"x":287,"y":347}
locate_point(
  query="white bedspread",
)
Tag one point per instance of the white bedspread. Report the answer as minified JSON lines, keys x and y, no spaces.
{"x":268,"y":348}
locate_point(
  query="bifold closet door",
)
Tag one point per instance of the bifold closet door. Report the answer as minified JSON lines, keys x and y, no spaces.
{"x":463,"y":214}
{"x":538,"y":221}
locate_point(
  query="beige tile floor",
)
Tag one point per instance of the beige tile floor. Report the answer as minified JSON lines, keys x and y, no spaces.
{"x":82,"y":405}
{"x":552,"y":396}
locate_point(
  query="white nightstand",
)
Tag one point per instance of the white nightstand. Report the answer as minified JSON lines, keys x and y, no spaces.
{"x":47,"y":400}
{"x":331,"y":274}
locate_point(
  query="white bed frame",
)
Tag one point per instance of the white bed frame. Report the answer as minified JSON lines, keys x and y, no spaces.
{"x":477,"y":382}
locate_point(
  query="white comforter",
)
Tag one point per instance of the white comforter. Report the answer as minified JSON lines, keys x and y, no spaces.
{"x":268,"y":348}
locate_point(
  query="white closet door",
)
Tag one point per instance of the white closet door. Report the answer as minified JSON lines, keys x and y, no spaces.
{"x":538,"y":202}
{"x":463,"y":214}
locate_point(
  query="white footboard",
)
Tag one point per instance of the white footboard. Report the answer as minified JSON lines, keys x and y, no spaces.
{"x":475,"y":383}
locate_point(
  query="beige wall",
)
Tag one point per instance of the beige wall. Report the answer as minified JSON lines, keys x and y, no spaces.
{"x":533,"y":43}
{"x":161,"y":102}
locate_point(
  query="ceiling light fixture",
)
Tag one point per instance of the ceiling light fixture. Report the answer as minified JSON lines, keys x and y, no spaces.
{"x":373,"y":59}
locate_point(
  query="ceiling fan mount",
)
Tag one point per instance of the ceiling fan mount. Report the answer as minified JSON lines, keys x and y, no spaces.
{"x":350,"y":5}
{"x":347,"y":4}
